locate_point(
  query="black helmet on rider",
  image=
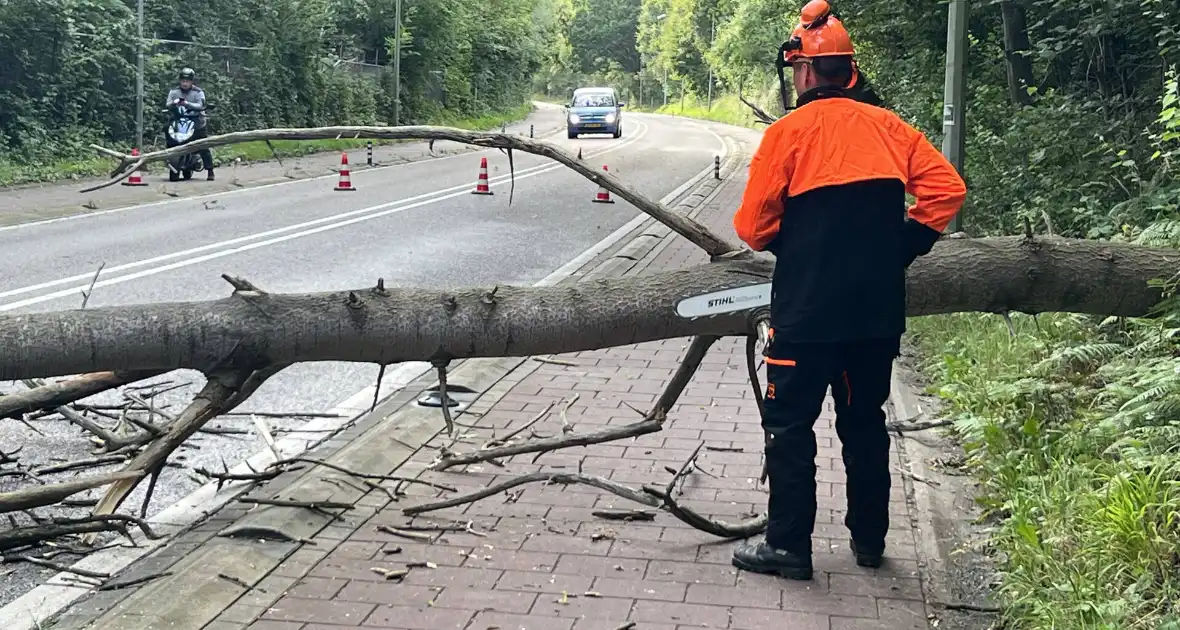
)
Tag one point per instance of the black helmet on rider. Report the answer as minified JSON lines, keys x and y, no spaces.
{"x":188,"y":74}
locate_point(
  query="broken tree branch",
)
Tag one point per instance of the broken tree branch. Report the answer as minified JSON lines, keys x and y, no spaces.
{"x":759,"y":113}
{"x":24,"y":536}
{"x":650,"y":497}
{"x":39,"y":496}
{"x":698,"y":234}
{"x":223,"y":391}
{"x":61,"y":393}
{"x":549,"y":444}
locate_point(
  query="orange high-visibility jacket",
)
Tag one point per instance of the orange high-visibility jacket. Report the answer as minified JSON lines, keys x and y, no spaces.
{"x":826,"y":195}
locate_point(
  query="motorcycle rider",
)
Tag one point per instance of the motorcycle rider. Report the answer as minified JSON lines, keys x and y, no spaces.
{"x":193,"y":99}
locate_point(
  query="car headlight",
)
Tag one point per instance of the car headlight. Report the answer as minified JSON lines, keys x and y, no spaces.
{"x":610,"y":118}
{"x":574,"y":119}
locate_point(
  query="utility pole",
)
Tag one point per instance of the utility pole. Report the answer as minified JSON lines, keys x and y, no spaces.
{"x":139,"y":80}
{"x":954,"y":92}
{"x":397,"y":63}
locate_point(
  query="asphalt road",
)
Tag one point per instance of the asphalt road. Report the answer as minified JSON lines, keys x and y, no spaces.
{"x":413,"y":224}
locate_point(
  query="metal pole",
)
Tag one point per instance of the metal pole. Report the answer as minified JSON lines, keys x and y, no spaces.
{"x":665,"y":86}
{"x":397,"y":63}
{"x":955,"y":88}
{"x":139,"y":80}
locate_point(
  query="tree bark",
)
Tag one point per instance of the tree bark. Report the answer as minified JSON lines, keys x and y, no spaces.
{"x":1016,"y":48}
{"x":379,"y":325}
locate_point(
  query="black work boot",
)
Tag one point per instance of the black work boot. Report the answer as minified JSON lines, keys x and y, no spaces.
{"x":209,"y":177}
{"x":762,"y":558}
{"x":865,"y":559}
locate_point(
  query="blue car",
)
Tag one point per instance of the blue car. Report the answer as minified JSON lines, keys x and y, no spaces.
{"x":595,"y":110}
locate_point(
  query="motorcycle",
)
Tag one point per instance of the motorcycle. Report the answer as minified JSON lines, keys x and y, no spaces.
{"x":181,"y":128}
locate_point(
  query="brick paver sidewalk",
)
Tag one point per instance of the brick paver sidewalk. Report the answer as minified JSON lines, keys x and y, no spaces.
{"x":537,"y":558}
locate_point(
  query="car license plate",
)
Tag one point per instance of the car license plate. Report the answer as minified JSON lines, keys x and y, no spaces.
{"x":592,"y":125}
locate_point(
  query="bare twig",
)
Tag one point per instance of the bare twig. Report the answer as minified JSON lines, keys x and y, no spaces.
{"x":508,"y":438}
{"x":81,"y":463}
{"x":117,"y":585}
{"x":90,"y":290}
{"x":991,"y":610}
{"x":725,"y":449}
{"x":404,"y":534}
{"x":311,"y":505}
{"x":377,"y":390}
{"x":652,"y":497}
{"x":553,"y":361}
{"x":57,"y":566}
{"x":549,"y":444}
{"x":547,"y":477}
{"x":441,"y":366}
{"x":685,"y":469}
{"x":20,"y":537}
{"x":625,"y":515}
{"x":360,"y":475}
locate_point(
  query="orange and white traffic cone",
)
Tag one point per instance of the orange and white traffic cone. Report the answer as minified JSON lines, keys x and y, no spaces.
{"x":135,"y":179}
{"x":345,"y":180}
{"x":481,"y":185}
{"x":603,"y":195}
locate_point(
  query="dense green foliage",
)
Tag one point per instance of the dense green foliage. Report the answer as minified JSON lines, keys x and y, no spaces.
{"x":68,"y":76}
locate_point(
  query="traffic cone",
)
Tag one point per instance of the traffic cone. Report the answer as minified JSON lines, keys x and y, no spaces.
{"x":345,"y":181}
{"x":481,"y":186}
{"x":603,"y":195}
{"x":135,"y":179}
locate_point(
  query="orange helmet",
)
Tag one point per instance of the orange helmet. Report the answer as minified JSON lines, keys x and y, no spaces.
{"x":819,"y":34}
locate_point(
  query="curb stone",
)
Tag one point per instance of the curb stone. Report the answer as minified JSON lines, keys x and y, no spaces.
{"x":939,"y":516}
{"x":202,"y":560}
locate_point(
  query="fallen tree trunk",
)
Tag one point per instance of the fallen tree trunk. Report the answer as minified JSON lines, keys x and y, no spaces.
{"x":240,"y":341}
{"x":379,"y":325}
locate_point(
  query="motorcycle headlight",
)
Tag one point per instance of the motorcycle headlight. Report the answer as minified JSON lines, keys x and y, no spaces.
{"x":610,"y":118}
{"x":574,"y":118}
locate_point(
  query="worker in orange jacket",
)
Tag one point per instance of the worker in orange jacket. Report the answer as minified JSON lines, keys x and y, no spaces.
{"x":826,"y":195}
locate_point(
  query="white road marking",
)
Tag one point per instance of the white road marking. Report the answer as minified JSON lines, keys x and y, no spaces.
{"x":332,"y":222}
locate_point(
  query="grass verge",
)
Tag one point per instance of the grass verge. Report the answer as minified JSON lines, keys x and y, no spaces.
{"x":1072,"y":426}
{"x":13,"y":173}
{"x":726,"y":108}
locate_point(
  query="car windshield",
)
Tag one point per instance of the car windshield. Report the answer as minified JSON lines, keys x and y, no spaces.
{"x":600,"y":99}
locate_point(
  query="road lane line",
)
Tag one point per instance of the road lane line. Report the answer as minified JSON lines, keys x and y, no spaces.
{"x":366,"y":214}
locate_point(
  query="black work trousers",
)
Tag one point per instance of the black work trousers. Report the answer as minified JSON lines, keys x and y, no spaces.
{"x":798,"y":377}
